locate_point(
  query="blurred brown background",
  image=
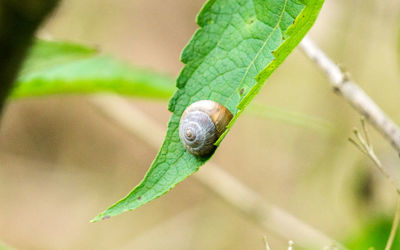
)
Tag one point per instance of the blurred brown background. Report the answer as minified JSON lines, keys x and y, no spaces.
{"x":61,"y":162}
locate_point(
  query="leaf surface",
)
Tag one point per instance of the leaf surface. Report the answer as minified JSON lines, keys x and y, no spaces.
{"x":62,"y":68}
{"x":237,"y":47}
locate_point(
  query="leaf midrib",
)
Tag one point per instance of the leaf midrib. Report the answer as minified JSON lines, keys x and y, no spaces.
{"x":247,"y":71}
{"x":263,"y":46}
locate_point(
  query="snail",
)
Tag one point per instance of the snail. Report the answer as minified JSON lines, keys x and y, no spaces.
{"x":201,"y":124}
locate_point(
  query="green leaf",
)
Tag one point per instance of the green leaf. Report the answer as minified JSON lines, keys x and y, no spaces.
{"x":238,"y":46}
{"x":61,"y":68}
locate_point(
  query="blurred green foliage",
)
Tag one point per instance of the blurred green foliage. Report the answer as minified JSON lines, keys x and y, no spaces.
{"x":373,"y":234}
{"x":65,"y":68}
{"x":3,"y":246}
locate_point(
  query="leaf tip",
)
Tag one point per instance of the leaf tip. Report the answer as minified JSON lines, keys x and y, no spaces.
{"x":102,"y":216}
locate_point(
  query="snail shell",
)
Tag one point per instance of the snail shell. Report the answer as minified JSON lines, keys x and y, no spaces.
{"x":202,"y":123}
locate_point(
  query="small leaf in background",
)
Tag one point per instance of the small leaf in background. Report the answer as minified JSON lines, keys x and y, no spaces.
{"x":238,"y":46}
{"x":45,"y":54}
{"x":62,"y":68}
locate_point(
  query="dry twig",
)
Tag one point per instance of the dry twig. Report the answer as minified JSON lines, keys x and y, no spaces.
{"x":353,"y":93}
{"x":365,"y":106}
{"x":363,"y":143}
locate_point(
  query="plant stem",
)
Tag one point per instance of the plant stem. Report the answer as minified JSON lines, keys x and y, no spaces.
{"x":395,"y":225}
{"x":365,"y":146}
{"x":353,"y":94}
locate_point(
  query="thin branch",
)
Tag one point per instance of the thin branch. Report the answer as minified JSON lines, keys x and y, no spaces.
{"x":364,"y":145}
{"x":365,"y":106}
{"x":362,"y":150}
{"x":353,"y":94}
{"x":223,"y":185}
{"x":365,"y":131}
{"x":395,"y":225}
{"x":19,"y":20}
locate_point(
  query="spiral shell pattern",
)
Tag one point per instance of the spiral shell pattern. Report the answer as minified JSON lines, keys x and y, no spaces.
{"x":201,"y":125}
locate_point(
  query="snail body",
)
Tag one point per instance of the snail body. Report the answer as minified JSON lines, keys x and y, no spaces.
{"x":201,"y":124}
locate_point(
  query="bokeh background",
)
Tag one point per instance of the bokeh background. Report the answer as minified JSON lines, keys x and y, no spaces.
{"x":62,"y":162}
